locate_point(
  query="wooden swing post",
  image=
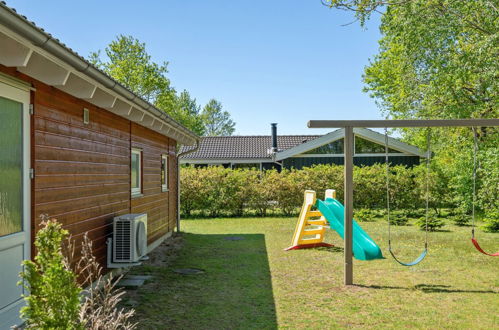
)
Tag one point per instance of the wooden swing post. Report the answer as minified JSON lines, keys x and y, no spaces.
{"x":349,"y":125}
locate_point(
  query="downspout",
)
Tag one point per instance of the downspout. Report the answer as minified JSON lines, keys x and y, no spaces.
{"x":178,"y":180}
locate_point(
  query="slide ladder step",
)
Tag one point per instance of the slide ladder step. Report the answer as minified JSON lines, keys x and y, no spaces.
{"x":317,"y":222}
{"x":311,"y":214}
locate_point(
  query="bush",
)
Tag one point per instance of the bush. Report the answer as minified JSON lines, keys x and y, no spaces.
{"x":415,"y":213}
{"x":461,"y":219}
{"x":259,"y":196}
{"x":491,"y":220}
{"x":434,"y":223}
{"x":399,"y":219}
{"x":286,"y":190}
{"x":364,"y":215}
{"x":214,"y":190}
{"x":53,"y":302}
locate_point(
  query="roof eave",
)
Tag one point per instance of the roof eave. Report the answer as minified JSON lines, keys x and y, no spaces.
{"x":340,"y":133}
{"x":75,"y":75}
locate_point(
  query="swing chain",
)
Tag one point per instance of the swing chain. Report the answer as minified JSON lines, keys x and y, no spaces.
{"x":428,"y":159}
{"x":427,"y":194}
{"x":387,"y":166}
{"x":475,"y":165}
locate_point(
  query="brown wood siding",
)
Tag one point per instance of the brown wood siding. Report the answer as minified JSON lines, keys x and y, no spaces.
{"x":154,"y":201}
{"x":82,"y":172}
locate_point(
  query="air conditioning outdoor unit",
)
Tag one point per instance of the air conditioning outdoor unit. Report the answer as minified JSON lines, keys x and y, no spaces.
{"x":129,"y":238}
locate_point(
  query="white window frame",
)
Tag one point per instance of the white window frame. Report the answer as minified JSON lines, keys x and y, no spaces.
{"x":15,"y":90}
{"x":164,"y":185}
{"x":138,"y":190}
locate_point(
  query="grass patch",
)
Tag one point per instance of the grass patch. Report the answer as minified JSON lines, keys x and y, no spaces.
{"x":253,"y":284}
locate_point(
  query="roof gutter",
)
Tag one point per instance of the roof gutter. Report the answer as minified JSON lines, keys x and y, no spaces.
{"x":45,"y":41}
{"x":178,"y":180}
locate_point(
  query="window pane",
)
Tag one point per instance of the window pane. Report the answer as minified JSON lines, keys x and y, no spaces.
{"x":163,"y":171}
{"x":335,"y":147}
{"x":367,"y":147}
{"x":247,"y":166}
{"x":135,"y":170}
{"x":11,"y":166}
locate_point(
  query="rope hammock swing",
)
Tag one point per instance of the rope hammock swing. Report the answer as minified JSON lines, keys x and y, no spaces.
{"x":475,"y":167}
{"x":425,"y":251}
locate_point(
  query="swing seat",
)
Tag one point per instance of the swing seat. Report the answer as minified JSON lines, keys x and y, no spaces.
{"x":477,"y":246}
{"x":412,"y":263}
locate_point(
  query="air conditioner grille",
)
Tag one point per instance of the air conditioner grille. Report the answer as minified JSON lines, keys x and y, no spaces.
{"x":123,"y":240}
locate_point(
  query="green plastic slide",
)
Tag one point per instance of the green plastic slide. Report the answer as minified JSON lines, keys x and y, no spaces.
{"x":364,"y":247}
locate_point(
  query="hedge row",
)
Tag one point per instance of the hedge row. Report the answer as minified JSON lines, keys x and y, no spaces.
{"x":215,"y":191}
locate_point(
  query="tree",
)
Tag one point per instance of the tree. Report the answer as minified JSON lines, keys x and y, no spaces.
{"x":185,"y":110}
{"x":128,"y":62}
{"x":131,"y":65}
{"x":217,"y":121}
{"x":438,"y":59}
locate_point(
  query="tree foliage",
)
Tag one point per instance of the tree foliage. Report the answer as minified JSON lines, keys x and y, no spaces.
{"x":127,"y":61}
{"x":439,"y":59}
{"x":216,"y":120}
{"x":186,"y":111}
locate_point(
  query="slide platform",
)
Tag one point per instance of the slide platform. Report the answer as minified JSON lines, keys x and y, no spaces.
{"x":364,"y":247}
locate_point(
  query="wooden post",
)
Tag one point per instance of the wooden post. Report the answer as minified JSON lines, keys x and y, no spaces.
{"x":348,"y":225}
{"x":348,"y":125}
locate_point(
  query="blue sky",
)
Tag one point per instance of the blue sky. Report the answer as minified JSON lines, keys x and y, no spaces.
{"x":266,"y":61}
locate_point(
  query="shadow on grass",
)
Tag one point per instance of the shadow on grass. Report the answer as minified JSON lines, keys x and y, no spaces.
{"x":234,"y":292}
{"x":332,"y":249}
{"x":426,"y":288}
{"x":432,"y":288}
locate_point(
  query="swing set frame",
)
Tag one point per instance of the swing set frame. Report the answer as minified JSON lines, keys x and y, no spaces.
{"x":349,"y":125}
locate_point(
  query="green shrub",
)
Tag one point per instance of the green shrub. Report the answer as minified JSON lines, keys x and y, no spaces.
{"x":364,"y":215}
{"x":214,"y":190}
{"x":399,"y":219}
{"x":258,"y":195}
{"x":461,"y":219}
{"x":370,"y":186}
{"x":53,"y":302}
{"x":415,"y":213}
{"x":434,"y":223}
{"x":379,"y":213}
{"x":285,"y":190}
{"x":491,"y":220}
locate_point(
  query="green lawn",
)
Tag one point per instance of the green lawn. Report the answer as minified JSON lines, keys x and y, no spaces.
{"x":253,"y":284}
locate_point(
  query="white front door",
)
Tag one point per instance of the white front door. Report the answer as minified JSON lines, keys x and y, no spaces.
{"x":14,"y":195}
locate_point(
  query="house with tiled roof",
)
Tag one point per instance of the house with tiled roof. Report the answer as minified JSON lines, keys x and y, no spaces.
{"x":298,"y":151}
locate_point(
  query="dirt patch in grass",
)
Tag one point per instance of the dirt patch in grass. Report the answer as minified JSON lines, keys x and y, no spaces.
{"x":159,"y":258}
{"x":164,"y":254}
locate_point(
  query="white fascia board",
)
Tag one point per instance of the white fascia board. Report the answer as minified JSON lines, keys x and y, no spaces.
{"x":63,"y":72}
{"x":379,"y":138}
{"x":224,"y":161}
{"x":310,"y":145}
{"x":355,"y":155}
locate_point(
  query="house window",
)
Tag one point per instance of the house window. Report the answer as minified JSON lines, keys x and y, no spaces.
{"x":247,"y":166}
{"x":136,"y":172}
{"x":164,"y":172}
{"x":335,"y":147}
{"x":367,"y":147}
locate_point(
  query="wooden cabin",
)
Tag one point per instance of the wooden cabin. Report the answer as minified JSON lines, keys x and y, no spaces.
{"x":77,"y":146}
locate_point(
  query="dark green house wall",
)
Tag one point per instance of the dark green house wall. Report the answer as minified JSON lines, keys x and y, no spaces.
{"x":300,"y":162}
